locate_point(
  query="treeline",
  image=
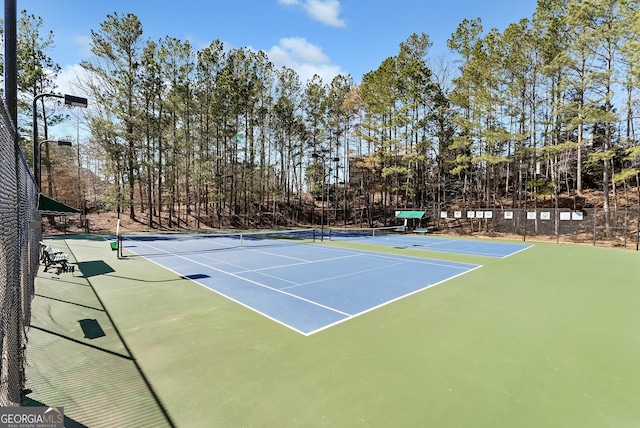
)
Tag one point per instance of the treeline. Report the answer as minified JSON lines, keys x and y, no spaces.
{"x":547,"y":106}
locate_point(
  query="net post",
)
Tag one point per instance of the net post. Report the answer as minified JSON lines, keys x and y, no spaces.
{"x":118,"y":241}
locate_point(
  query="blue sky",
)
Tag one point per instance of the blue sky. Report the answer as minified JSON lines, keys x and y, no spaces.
{"x":311,"y":36}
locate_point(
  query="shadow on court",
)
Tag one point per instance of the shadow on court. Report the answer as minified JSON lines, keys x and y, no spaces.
{"x":77,"y":359}
{"x":68,"y":422}
{"x":94,"y":268}
{"x":91,"y":328}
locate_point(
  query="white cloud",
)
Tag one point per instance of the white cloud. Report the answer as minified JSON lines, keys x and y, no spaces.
{"x":305,"y":58}
{"x":83,"y":44}
{"x":325,"y":11}
{"x":68,"y":80}
{"x":304,"y":50}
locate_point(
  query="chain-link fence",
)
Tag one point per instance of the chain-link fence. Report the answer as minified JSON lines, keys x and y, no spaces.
{"x":19,"y":254}
{"x":589,"y":225}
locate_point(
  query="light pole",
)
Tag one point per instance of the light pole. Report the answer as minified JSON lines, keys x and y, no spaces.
{"x":70,"y":100}
{"x":323,"y":159}
{"x":39,"y":166}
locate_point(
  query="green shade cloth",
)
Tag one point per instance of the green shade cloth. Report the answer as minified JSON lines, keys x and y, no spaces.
{"x":410,"y":214}
{"x":48,"y":206}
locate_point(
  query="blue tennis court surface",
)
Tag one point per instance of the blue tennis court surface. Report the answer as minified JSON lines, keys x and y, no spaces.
{"x":439,"y":243}
{"x":305,"y":287}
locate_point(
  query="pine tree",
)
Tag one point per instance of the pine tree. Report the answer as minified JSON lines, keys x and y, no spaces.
{"x":115,"y":85}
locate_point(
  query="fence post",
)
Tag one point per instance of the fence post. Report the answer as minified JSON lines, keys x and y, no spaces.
{"x":595,"y":222}
{"x":626,"y":225}
{"x":638,"y":230}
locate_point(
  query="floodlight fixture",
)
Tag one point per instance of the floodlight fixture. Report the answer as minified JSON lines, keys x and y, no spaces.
{"x":73,"y":101}
{"x":70,"y":100}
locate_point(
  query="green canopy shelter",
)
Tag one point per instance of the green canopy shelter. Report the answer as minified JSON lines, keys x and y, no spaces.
{"x":48,"y":206}
{"x":409,"y":215}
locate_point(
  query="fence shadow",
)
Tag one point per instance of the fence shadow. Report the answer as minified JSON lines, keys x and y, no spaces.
{"x":68,"y":422}
{"x":77,"y":359}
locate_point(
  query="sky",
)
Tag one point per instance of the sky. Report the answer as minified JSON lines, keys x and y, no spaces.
{"x":324,"y":37}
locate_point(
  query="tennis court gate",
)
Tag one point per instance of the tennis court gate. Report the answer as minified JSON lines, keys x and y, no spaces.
{"x":19,"y":259}
{"x":587,"y":225}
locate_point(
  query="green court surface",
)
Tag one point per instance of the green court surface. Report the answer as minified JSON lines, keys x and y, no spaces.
{"x":549,"y":337}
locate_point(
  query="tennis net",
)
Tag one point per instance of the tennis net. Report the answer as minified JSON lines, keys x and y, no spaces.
{"x":347,"y":234}
{"x":187,"y":243}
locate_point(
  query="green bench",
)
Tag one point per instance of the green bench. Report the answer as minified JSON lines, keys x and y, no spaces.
{"x":420,"y":230}
{"x":48,"y":249}
{"x":54,"y":257}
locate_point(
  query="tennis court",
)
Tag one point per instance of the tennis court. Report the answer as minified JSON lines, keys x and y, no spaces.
{"x":305,"y":287}
{"x":389,"y":236}
{"x":545,"y":337}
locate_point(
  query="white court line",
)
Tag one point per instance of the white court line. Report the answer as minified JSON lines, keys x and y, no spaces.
{"x":240,"y":302}
{"x":346,"y":275}
{"x":388,"y":302}
{"x":204,"y":255}
{"x":347,"y":316}
{"x":519,"y":251}
{"x":243,"y":269}
{"x":421,"y":260}
{"x":272,"y":254}
{"x":350,"y":253}
{"x":470,"y":249}
{"x":298,"y":264}
{"x":164,"y":252}
{"x":298,"y":284}
{"x":414,"y":259}
{"x":467,"y":250}
{"x":378,"y":254}
{"x":404,"y":241}
{"x":263,"y":285}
